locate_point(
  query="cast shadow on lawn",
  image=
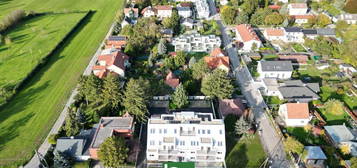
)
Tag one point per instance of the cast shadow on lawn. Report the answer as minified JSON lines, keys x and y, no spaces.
{"x":238,"y":158}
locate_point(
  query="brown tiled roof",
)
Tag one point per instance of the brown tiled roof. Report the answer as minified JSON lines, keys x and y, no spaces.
{"x":116,"y":58}
{"x":217,"y":52}
{"x":302,"y":16}
{"x":186,"y":4}
{"x":215,"y":62}
{"x":171,"y":80}
{"x":247,"y":33}
{"x":231,"y":106}
{"x":295,"y":58}
{"x":274,"y":7}
{"x":298,"y":5}
{"x":274,"y":32}
{"x":148,"y":8}
{"x":163,"y":7}
{"x":297,"y":110}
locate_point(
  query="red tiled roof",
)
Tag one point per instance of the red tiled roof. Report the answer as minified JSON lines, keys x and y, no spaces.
{"x":186,"y":4}
{"x":298,"y":5}
{"x":163,"y":7}
{"x":274,"y":32}
{"x":231,"y":106}
{"x":217,"y":52}
{"x":215,"y":62}
{"x":173,"y":54}
{"x":302,"y":16}
{"x":295,"y":58}
{"x":116,"y":58}
{"x":297,"y":110}
{"x":171,"y":80}
{"x":147,"y":9}
{"x":247,"y":33}
{"x":274,"y":7}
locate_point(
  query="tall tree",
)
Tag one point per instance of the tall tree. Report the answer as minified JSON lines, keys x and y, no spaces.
{"x":113,"y":152}
{"x":180,"y":98}
{"x":60,"y":160}
{"x":242,"y":18}
{"x":228,"y":14}
{"x":111,"y":93}
{"x":161,"y":48}
{"x":293,"y":145}
{"x":90,"y":88}
{"x":258,"y":18}
{"x":180,"y":58}
{"x":274,"y":19}
{"x":172,"y":22}
{"x":241,"y":126}
{"x":200,"y":69}
{"x":136,"y":99}
{"x":72,"y":125}
{"x":217,"y":84}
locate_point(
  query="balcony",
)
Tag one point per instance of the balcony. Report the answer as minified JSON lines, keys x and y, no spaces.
{"x":169,"y":140}
{"x":168,"y":152}
{"x":168,"y":158}
{"x":206,"y":152}
{"x":187,"y":133}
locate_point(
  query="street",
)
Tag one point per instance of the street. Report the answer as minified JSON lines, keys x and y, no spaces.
{"x":268,"y":135}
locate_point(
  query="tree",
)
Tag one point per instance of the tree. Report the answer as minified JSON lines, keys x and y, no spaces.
{"x":180,"y":98}
{"x":241,"y":127}
{"x":353,"y":161}
{"x":249,"y":6}
{"x":293,"y":145}
{"x":111,"y":93}
{"x":228,"y":14}
{"x":161,"y":48}
{"x":90,"y":87}
{"x":258,"y":18}
{"x":217,"y":84}
{"x":52,"y":139}
{"x":274,"y":19}
{"x":200,"y":69}
{"x":334,"y":106}
{"x":172,"y":22}
{"x":192,"y":62}
{"x":135,"y":99}
{"x":180,"y":58}
{"x":72,"y":126}
{"x":169,"y":63}
{"x":322,"y":20}
{"x":242,"y":18}
{"x":60,"y":160}
{"x":113,"y":152}
{"x":254,"y":46}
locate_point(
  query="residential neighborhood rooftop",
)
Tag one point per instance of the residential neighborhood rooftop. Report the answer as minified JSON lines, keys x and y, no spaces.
{"x":276,"y":65}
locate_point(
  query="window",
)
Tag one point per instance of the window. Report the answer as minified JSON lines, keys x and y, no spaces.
{"x":152,"y":142}
{"x":208,"y":131}
{"x":219,"y":143}
{"x":219,"y":152}
{"x":203,"y":131}
{"x":199,"y":131}
{"x":152,"y":130}
{"x":220,"y":132}
{"x":175,"y":131}
{"x":151,"y":155}
{"x":165,"y":131}
{"x":160,"y":131}
{"x":160,"y":142}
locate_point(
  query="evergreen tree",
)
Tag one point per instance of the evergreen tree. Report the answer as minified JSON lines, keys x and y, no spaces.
{"x":60,"y":160}
{"x":111,"y":92}
{"x":242,"y":18}
{"x":200,"y":69}
{"x":180,"y":59}
{"x":180,"y":98}
{"x":90,"y":88}
{"x":241,"y":126}
{"x":135,"y":99}
{"x":161,"y":49}
{"x":217,"y":84}
{"x":113,"y":152}
{"x":72,"y":125}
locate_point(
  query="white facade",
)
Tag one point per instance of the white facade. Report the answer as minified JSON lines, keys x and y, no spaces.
{"x":276,"y":36}
{"x":349,"y":18}
{"x":196,"y":43}
{"x":297,"y":8}
{"x":164,"y":13}
{"x":294,"y":37}
{"x":270,"y":87}
{"x":273,"y":74}
{"x":223,"y":2}
{"x":186,"y":136}
{"x":184,"y":12}
{"x":149,"y":11}
{"x":202,"y":8}
{"x":246,"y":35}
{"x":283,"y":112}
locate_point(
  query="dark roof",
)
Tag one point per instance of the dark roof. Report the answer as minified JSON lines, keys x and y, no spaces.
{"x":189,"y":20}
{"x":116,"y":38}
{"x":71,"y":146}
{"x":297,"y":92}
{"x":292,"y":29}
{"x":293,"y":83}
{"x":166,"y":31}
{"x":315,"y":153}
{"x":277,"y":66}
{"x":326,"y":32}
{"x":309,"y":31}
{"x":315,"y":87}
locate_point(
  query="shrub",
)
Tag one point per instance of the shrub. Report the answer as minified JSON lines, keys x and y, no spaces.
{"x":52,"y":139}
{"x":11,"y":19}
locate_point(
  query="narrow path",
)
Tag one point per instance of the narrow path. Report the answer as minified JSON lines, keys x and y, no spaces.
{"x":45,"y":146}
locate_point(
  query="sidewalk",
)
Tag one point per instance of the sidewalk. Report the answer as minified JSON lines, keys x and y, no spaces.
{"x":45,"y":146}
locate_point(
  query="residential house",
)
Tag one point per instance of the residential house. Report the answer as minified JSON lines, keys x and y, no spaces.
{"x":202,"y":9}
{"x":131,"y":12}
{"x":294,"y":35}
{"x":315,"y":157}
{"x":274,"y":34}
{"x":275,"y":69}
{"x":302,"y":19}
{"x":217,"y":59}
{"x":247,"y":38}
{"x":296,"y":59}
{"x":231,"y":106}
{"x":172,"y":80}
{"x":167,"y":34}
{"x":184,"y":12}
{"x":111,"y":61}
{"x":195,"y":42}
{"x":223,"y":2}
{"x":341,"y":135}
{"x":347,"y":70}
{"x":284,"y":1}
{"x":274,"y":7}
{"x":186,"y":137}
{"x":270,"y":87}
{"x":187,"y":22}
{"x":163,"y":11}
{"x":310,"y":33}
{"x":149,"y":12}
{"x":297,"y":91}
{"x":295,"y":114}
{"x":349,"y":18}
{"x":297,"y":8}
{"x":117,"y":42}
{"x":326,"y":32}
{"x":111,"y":126}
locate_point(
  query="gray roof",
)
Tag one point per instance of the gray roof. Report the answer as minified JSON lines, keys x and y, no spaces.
{"x":326,"y":32}
{"x":71,"y":146}
{"x":293,"y":83}
{"x":309,"y":31}
{"x":315,"y":153}
{"x":180,"y":8}
{"x":271,"y":83}
{"x":166,"y":31}
{"x":276,"y":65}
{"x":292,"y":29}
{"x":312,"y":86}
{"x":339,"y":133}
{"x":297,"y":92}
{"x":187,"y":20}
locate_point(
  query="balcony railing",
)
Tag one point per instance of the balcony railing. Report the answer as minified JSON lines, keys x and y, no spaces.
{"x":187,"y":133}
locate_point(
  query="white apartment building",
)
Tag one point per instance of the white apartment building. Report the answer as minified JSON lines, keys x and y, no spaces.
{"x":196,"y":43}
{"x":186,"y":137}
{"x":202,"y":8}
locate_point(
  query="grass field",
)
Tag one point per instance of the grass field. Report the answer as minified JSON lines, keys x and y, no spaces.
{"x":27,"y":118}
{"x":33,"y":40}
{"x":246,"y":153}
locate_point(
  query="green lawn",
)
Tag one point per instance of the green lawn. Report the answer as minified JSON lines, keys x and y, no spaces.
{"x":33,"y":40}
{"x":333,"y":119}
{"x":246,"y":153}
{"x":298,"y":47}
{"x":26,"y":120}
{"x":305,"y":137}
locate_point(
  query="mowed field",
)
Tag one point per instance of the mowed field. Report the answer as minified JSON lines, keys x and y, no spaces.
{"x":32,"y":41}
{"x":26,"y":120}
